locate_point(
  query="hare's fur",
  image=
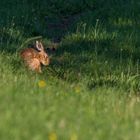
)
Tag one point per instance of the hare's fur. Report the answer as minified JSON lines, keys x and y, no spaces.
{"x":34,"y":58}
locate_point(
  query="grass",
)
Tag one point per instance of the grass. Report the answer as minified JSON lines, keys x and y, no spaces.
{"x":91,"y":88}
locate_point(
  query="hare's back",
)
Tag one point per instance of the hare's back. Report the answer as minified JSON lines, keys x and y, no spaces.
{"x":28,"y":53}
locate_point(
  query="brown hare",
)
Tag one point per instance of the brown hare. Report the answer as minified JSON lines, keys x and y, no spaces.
{"x":33,"y":58}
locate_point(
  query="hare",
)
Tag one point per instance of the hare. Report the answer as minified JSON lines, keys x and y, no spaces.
{"x":33,"y":58}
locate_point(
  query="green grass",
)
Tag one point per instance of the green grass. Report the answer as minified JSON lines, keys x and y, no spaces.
{"x":92,"y":88}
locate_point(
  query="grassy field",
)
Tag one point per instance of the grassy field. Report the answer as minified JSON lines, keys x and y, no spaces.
{"x":91,"y":89}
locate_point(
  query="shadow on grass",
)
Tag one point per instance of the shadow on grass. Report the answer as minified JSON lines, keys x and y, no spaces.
{"x":76,"y":59}
{"x":109,"y":48}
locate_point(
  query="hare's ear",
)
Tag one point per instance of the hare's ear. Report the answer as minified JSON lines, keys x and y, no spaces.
{"x":39,"y":46}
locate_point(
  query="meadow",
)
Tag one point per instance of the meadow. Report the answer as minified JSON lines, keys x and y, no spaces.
{"x":90,"y":90}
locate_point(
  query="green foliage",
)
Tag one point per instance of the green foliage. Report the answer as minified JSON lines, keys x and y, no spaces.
{"x":91,"y":88}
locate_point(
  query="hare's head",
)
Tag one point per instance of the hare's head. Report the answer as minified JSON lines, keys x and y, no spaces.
{"x":42,"y":55}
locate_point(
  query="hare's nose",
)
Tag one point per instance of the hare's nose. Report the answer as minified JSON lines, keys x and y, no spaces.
{"x":47,"y":56}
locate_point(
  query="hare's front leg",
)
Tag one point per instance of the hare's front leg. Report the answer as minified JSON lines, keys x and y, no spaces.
{"x":35,"y":65}
{"x":38,"y":69}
